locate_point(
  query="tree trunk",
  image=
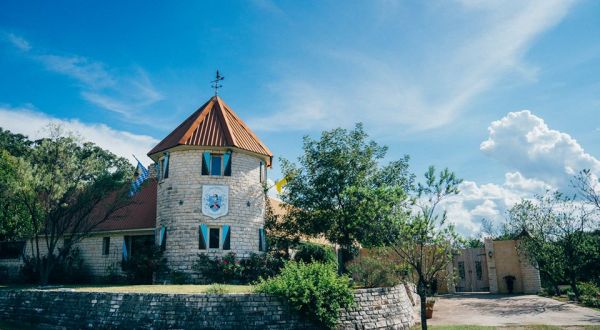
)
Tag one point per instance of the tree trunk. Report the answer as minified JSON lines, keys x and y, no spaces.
{"x":573,"y":283}
{"x":423,"y":295}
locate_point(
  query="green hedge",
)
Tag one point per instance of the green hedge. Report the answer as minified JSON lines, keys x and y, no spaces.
{"x":315,"y":290}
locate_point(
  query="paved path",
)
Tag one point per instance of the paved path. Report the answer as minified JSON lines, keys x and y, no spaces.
{"x":489,"y":309}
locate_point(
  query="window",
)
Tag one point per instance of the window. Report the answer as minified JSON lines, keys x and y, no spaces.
{"x":105,"y":246}
{"x":216,"y":164}
{"x":213,"y":242}
{"x":261,"y":169}
{"x":478,"y":270}
{"x":11,"y":250}
{"x":165,"y":165}
{"x":262,"y":240}
{"x":461,"y":269}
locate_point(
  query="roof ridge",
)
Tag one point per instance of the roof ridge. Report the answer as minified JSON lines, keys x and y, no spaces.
{"x":246,"y":128}
{"x":230,"y":135}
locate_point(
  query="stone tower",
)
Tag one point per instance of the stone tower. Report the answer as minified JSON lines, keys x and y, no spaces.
{"x":211,"y":170}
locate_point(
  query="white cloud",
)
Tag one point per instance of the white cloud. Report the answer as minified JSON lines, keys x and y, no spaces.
{"x":125,"y":93}
{"x":28,"y":121}
{"x":524,"y":143}
{"x":18,"y":42}
{"x":378,"y":88}
{"x":490,"y":201}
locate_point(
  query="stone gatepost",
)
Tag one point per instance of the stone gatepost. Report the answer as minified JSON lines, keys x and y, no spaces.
{"x":491,"y":264}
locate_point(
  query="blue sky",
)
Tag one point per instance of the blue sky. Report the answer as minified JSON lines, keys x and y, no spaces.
{"x":446,"y":82}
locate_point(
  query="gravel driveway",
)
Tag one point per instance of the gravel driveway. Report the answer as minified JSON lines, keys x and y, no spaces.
{"x":490,"y":309}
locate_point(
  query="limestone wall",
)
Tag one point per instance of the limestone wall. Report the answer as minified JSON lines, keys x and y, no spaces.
{"x":179,"y":206}
{"x":381,"y":308}
{"x":90,"y":251}
{"x":506,"y":260}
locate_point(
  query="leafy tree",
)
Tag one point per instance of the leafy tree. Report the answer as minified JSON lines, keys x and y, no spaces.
{"x":17,"y":145}
{"x":338,"y":190}
{"x":68,"y":188}
{"x":15,"y":221}
{"x":423,"y":239}
{"x":588,"y":187}
{"x":556,"y":236}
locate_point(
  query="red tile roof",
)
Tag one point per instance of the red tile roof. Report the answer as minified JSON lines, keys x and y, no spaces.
{"x":214,"y":124}
{"x":141,"y":214}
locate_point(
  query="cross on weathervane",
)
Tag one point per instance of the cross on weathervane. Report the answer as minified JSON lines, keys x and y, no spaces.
{"x":216,"y":83}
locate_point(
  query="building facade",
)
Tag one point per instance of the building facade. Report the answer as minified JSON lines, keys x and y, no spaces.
{"x":205,"y":195}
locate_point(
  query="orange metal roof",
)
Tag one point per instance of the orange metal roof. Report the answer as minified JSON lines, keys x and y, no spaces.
{"x":214,"y":124}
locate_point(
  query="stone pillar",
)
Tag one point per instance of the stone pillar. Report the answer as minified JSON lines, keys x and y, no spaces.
{"x":491,"y":264}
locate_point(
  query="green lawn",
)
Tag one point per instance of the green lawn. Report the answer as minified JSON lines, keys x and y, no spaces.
{"x":524,"y":327}
{"x":170,"y":288}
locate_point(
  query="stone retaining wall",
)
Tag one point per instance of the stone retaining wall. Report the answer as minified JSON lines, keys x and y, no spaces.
{"x":380,"y":308}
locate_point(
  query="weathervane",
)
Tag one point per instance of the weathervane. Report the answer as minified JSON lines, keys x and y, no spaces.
{"x":216,"y":83}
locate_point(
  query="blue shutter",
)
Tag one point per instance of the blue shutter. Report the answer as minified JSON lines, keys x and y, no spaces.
{"x":227,"y":162}
{"x":166,"y":162}
{"x":262,"y":240}
{"x":226,"y":238}
{"x":206,"y":163}
{"x":125,"y":254}
{"x":203,"y":237}
{"x":163,"y":238}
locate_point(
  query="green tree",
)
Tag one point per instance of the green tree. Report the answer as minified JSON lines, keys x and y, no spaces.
{"x":340,"y":192}
{"x":556,"y":237}
{"x":68,"y":188}
{"x":15,"y":221}
{"x":422,"y":238}
{"x":17,"y":145}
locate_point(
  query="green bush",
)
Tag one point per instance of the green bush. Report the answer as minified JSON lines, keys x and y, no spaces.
{"x":309,"y":252}
{"x":315,"y":290}
{"x":232,"y":271}
{"x":217,"y":289}
{"x":371,"y":272}
{"x":178,"y":277}
{"x":589,"y":294}
{"x":139,"y":268}
{"x":71,"y":270}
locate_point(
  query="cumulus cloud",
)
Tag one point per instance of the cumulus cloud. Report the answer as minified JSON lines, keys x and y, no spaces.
{"x":429,"y":91}
{"x":125,"y":93}
{"x":524,"y":143}
{"x":28,"y":121}
{"x":489,"y":201}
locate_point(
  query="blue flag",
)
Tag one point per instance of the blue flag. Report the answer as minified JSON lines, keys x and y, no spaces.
{"x":142,"y":175}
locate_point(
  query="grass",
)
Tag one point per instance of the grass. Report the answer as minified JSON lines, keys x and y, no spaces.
{"x":523,"y":327}
{"x":169,"y":288}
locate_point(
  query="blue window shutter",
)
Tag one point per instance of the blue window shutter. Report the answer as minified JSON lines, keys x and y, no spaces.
{"x":227,"y":162}
{"x":125,"y":253}
{"x":163,"y":238}
{"x":203,"y":237}
{"x":166,"y":162}
{"x":226,"y":238}
{"x":262,"y":240}
{"x":206,"y":163}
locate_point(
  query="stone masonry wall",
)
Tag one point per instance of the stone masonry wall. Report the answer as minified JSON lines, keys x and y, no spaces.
{"x":381,"y":308}
{"x":179,"y":206}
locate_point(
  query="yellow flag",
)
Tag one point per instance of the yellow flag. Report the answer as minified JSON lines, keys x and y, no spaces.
{"x":279,"y":184}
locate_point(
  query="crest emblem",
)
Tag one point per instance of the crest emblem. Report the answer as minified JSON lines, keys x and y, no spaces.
{"x":215,"y":200}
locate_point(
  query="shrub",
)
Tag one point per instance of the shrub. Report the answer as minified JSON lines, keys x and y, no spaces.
{"x":71,"y":270}
{"x":233,"y":271}
{"x":217,"y":289}
{"x":589,"y":294}
{"x":315,"y":290}
{"x":309,"y":252}
{"x":371,"y":272}
{"x":178,"y":277}
{"x":141,"y":267}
